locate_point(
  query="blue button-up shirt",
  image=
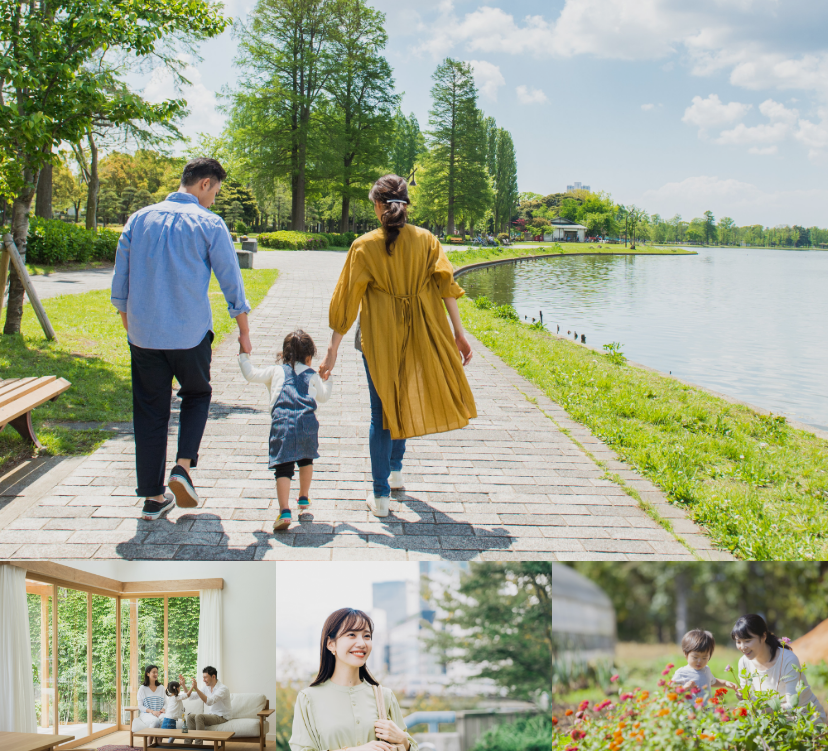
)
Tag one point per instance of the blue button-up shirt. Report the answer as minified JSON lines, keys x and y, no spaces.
{"x":162,"y":273}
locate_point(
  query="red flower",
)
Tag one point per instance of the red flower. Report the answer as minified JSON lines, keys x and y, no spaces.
{"x":670,"y":666}
{"x":695,"y":690}
{"x":576,"y":734}
{"x":742,"y":712}
{"x":666,"y":671}
{"x":583,"y":705}
{"x":720,"y":691}
{"x":662,"y":682}
{"x":614,"y":678}
{"x":714,"y":700}
{"x":554,"y":720}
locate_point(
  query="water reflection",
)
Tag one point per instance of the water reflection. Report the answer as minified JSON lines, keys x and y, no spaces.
{"x":750,"y":323}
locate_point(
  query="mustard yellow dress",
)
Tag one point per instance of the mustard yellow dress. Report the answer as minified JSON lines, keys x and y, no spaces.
{"x":406,"y":338}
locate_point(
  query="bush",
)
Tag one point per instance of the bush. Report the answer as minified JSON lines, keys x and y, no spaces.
{"x":288,"y":240}
{"x":483,"y":302}
{"x":526,"y":734}
{"x":503,"y":236}
{"x":240,"y":227}
{"x":53,"y":241}
{"x":507,"y":312}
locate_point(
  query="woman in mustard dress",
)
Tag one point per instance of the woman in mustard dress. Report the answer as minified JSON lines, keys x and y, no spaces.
{"x":339,"y":710}
{"x":400,"y":283}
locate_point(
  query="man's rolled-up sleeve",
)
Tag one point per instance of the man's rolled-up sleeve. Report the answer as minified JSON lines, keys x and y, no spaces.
{"x":225,"y":265}
{"x":120,"y":280}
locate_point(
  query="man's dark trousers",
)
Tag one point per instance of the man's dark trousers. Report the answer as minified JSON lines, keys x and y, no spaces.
{"x":152,"y":373}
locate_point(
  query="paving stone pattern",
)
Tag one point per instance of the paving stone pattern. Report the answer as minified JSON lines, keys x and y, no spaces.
{"x":511,"y":486}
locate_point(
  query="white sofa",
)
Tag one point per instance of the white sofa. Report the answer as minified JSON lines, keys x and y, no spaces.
{"x":248,"y":721}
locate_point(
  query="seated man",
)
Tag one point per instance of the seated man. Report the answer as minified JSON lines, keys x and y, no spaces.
{"x":216,"y":696}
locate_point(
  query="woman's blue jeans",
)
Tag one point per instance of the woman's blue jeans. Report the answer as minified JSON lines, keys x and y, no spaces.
{"x":386,"y":454}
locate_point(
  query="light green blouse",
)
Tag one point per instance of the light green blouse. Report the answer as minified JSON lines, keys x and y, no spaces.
{"x":330,"y":717}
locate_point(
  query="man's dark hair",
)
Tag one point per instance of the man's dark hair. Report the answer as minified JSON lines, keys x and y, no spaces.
{"x":210,"y":670}
{"x":698,"y":640}
{"x":198,"y":169}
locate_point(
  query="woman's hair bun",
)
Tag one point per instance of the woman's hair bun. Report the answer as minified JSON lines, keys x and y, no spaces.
{"x":394,"y":215}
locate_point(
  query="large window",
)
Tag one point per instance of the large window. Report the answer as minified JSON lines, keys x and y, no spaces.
{"x":89,"y":652}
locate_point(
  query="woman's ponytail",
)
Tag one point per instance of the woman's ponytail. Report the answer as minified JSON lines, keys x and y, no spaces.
{"x":392,"y":192}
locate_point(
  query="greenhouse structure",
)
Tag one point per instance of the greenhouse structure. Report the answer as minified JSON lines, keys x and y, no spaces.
{"x":583,"y":618}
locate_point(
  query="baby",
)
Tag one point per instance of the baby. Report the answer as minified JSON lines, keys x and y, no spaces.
{"x":698,"y":647}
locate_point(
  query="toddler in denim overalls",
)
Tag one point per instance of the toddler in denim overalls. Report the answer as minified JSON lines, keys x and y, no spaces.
{"x":295,"y":388}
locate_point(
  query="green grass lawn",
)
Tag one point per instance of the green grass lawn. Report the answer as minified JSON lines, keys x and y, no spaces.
{"x":91,"y":352}
{"x":759,"y":486}
{"x":460,"y":258}
{"x":42,"y":269}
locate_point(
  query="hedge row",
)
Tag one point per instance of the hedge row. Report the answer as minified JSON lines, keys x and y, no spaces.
{"x":287,"y":240}
{"x":52,"y":241}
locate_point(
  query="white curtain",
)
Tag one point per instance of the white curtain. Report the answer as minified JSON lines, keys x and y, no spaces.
{"x":209,"y":631}
{"x":17,"y":709}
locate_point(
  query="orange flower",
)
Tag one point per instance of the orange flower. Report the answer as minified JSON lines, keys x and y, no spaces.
{"x":568,"y":712}
{"x":644,"y":696}
{"x":622,"y":725}
{"x":700,"y":701}
{"x":706,"y":736}
{"x":680,"y":731}
{"x":662,"y":712}
{"x":672,"y":697}
{"x":637,"y":725}
{"x":714,"y":700}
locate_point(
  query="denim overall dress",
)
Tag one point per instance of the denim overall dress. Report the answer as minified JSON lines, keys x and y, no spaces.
{"x":294,"y":429}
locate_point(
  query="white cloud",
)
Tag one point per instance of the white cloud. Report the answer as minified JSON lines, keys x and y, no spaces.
{"x":201,"y":101}
{"x":710,"y":112}
{"x":763,"y":150}
{"x":487,"y":77}
{"x":646,"y":107}
{"x":744,"y":202}
{"x":742,"y":135}
{"x":526,"y":95}
{"x":814,"y":135}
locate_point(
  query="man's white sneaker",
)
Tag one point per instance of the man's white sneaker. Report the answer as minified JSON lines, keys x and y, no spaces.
{"x":378,"y":506}
{"x":395,"y":480}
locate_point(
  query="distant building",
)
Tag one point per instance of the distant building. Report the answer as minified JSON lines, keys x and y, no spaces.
{"x":563,"y":229}
{"x":583,"y":618}
{"x":402,"y":611}
{"x":576,"y":186}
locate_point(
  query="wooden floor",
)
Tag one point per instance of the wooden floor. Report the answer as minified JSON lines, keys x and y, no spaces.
{"x":121,"y":738}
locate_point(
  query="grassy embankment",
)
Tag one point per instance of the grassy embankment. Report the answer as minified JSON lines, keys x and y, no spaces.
{"x":759,"y":486}
{"x":91,"y":352}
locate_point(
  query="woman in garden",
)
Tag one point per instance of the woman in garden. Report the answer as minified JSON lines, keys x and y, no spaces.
{"x":771,"y":664}
{"x":151,"y":698}
{"x":342,"y":708}
{"x":398,"y":279}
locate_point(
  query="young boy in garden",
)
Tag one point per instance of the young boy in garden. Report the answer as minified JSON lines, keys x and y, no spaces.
{"x":698,"y":646}
{"x":295,"y":388}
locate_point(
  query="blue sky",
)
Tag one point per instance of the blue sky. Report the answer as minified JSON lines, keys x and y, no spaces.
{"x":673,"y":105}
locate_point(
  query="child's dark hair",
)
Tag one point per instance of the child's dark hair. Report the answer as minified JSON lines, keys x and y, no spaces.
{"x":172,"y":688}
{"x":754,"y":625}
{"x":699,"y":641}
{"x":297,"y":347}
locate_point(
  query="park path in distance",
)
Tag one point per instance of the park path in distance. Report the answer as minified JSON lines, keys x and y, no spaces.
{"x":510,"y":486}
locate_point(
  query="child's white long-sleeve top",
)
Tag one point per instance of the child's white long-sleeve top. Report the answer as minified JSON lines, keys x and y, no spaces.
{"x":174,"y":706}
{"x":273,"y":377}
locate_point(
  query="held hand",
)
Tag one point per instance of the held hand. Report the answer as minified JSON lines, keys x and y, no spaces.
{"x":244,"y":344}
{"x":690,"y":684}
{"x":373,"y":746}
{"x":327,"y":365}
{"x":464,"y":347}
{"x":387,"y":731}
{"x":731,"y":685}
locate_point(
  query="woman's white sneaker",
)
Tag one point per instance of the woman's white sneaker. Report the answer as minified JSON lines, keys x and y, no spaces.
{"x":378,"y":506}
{"x":395,"y":480}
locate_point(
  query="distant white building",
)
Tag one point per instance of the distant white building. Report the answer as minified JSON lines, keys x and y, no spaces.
{"x":583,"y":618}
{"x":566,"y":231}
{"x":402,"y":612}
{"x":576,"y":186}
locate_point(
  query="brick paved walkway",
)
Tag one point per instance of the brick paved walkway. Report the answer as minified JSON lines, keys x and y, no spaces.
{"x":510,"y":486}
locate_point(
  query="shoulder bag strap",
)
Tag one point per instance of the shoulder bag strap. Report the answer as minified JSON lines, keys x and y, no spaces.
{"x":383,"y":714}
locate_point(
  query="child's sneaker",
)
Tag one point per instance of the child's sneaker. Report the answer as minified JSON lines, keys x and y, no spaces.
{"x":156,"y":509}
{"x":303,"y":503}
{"x":395,"y":480}
{"x":378,"y":506}
{"x":284,"y":521}
{"x":182,"y":487}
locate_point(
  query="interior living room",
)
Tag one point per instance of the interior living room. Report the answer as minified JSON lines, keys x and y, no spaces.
{"x":78,"y":639}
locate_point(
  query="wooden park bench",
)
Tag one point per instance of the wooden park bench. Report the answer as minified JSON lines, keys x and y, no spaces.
{"x":19,"y":396}
{"x":456,"y":241}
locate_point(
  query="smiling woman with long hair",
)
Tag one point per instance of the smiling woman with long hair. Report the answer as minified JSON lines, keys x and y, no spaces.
{"x":339,"y":710}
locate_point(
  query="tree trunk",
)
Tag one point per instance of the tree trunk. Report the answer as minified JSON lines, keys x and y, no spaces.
{"x":76,"y":204}
{"x":43,"y":202}
{"x":94,"y":185}
{"x":20,"y":230}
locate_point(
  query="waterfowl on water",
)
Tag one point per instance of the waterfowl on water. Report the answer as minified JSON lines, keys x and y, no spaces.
{"x":583,"y":338}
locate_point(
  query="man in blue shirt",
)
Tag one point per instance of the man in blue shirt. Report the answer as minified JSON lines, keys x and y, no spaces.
{"x":162,"y":273}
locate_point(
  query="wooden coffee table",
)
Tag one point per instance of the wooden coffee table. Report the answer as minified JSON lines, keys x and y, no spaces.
{"x":153,"y":735}
{"x":32,"y":741}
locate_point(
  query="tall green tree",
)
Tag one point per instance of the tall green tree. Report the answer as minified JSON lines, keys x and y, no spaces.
{"x":409,"y":144}
{"x":48,"y":94}
{"x":709,"y":227}
{"x":725,"y":229}
{"x":286,"y":64}
{"x":505,"y":180}
{"x":500,"y":620}
{"x":361,"y":101}
{"x":457,"y":142}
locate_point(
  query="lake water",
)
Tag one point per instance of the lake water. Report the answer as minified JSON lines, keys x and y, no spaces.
{"x":751,"y":323}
